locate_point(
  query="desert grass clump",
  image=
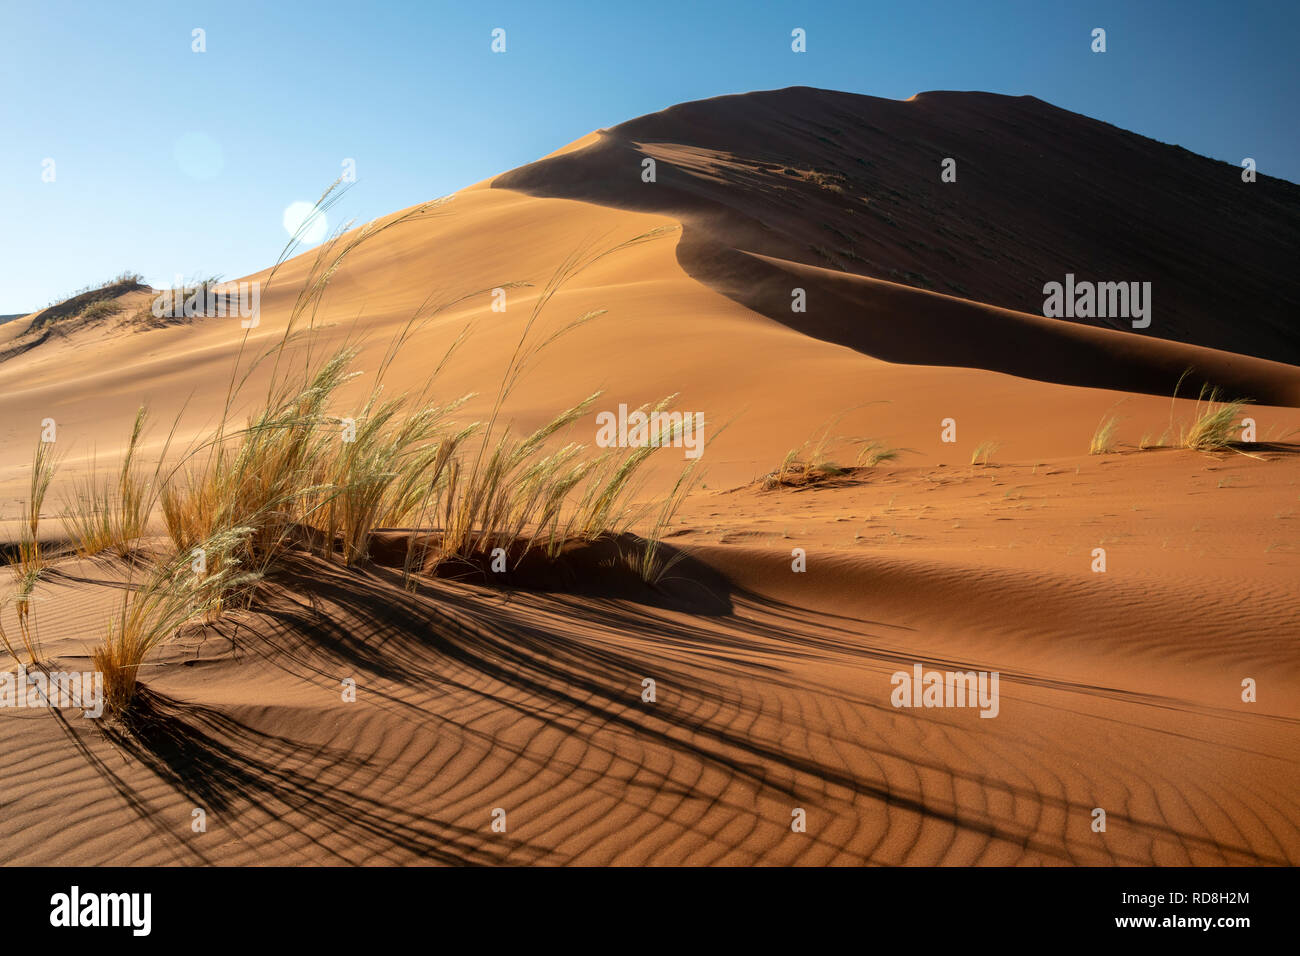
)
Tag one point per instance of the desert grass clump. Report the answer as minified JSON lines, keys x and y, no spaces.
{"x":796,"y":471}
{"x":812,"y":462}
{"x":31,"y":559}
{"x":806,"y":464}
{"x":101,"y":310}
{"x":259,"y":477}
{"x":1103,"y":438}
{"x":172,"y":595}
{"x":652,"y":565}
{"x":1214,"y":426}
{"x":605,"y":507}
{"x":511,"y":493}
{"x":378,"y":475}
{"x":984,"y":452}
{"x":285,"y":476}
{"x":513,"y":488}
{"x":88,"y":516}
{"x":874,"y":451}
{"x":113,"y":514}
{"x":303,"y":473}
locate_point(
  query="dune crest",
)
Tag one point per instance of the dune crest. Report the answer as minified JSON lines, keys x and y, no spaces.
{"x":852,"y":185}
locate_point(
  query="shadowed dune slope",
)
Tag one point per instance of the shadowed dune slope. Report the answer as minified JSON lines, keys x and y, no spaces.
{"x":901,"y":324}
{"x":851,"y":184}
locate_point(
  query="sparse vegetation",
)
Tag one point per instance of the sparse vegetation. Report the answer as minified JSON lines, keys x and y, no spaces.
{"x":1214,"y":426}
{"x":125,"y":278}
{"x":874,"y":451}
{"x":811,"y":462}
{"x":983,"y":452}
{"x":1103,"y":439}
{"x":30,"y":560}
{"x":652,"y":566}
{"x":89,"y":304}
{"x":101,"y":310}
{"x":152,"y":611}
{"x":113,"y":514}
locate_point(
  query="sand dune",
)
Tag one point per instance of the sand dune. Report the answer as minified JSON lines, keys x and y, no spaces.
{"x":853,"y":182}
{"x":1120,"y":690}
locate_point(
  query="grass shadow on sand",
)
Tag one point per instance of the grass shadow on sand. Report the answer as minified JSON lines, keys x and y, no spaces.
{"x":548,"y":666}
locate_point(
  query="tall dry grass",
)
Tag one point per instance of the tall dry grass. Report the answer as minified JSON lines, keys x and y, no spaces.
{"x":113,"y":513}
{"x":1214,"y":425}
{"x":30,"y":559}
{"x":1103,"y":437}
{"x":171,"y":595}
{"x":984,"y":452}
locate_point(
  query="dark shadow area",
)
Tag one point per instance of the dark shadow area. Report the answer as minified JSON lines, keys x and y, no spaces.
{"x":359,"y":624}
{"x":226,"y":768}
{"x":608,"y":567}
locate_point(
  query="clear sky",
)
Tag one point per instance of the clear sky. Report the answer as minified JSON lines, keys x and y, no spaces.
{"x":169,"y":161}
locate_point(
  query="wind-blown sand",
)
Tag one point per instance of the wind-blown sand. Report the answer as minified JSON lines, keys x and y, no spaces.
{"x":1119,"y":691}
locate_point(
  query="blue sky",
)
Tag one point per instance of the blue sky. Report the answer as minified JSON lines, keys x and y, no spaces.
{"x":169,"y":161}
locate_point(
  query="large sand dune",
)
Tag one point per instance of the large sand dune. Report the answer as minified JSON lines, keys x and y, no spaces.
{"x":1120,"y":690}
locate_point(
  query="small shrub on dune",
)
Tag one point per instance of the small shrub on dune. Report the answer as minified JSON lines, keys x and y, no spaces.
{"x":101,"y":310}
